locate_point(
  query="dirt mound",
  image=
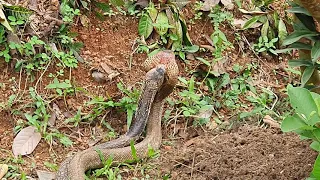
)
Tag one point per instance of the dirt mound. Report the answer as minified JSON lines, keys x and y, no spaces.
{"x":247,"y":152}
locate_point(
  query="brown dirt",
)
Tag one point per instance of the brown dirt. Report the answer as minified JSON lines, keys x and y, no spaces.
{"x":247,"y":152}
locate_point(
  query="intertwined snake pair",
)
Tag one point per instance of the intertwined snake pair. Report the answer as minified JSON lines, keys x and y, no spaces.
{"x":159,"y":83}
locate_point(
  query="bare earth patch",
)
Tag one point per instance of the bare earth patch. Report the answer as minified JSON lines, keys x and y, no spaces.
{"x":248,"y":152}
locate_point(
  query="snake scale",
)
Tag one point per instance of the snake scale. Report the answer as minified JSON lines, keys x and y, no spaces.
{"x":159,"y":83}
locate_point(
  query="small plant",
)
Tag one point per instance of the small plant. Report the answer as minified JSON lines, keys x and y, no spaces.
{"x":169,"y":26}
{"x":273,"y":27}
{"x":266,"y":45}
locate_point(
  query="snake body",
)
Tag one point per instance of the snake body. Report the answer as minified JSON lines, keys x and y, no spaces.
{"x":160,"y":81}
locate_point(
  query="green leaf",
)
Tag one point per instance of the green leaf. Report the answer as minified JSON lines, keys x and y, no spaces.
{"x":316,"y":168}
{"x":307,"y":73}
{"x":117,"y":2}
{"x":103,"y":6}
{"x":292,"y":123}
{"x":297,"y":35}
{"x":307,"y":21}
{"x":264,"y":29}
{"x":300,"y":62}
{"x":250,"y":22}
{"x":145,"y":26}
{"x":299,"y":10}
{"x":153,"y":12}
{"x":315,"y":52}
{"x":133,"y":151}
{"x":163,"y":23}
{"x":185,"y":35}
{"x":315,"y":145}
{"x":302,"y":101}
{"x":192,"y":49}
{"x":282,"y":31}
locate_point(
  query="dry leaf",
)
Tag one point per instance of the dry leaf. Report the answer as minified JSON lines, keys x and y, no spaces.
{"x":52,"y":119}
{"x":208,"y":4}
{"x":3,"y":170}
{"x":46,"y":175}
{"x":239,"y":22}
{"x":271,"y":122}
{"x":26,"y":141}
{"x":218,"y":68}
{"x":111,"y":73}
{"x":228,"y":4}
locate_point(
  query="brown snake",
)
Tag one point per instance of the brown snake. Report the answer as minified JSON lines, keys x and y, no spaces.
{"x":156,"y":88}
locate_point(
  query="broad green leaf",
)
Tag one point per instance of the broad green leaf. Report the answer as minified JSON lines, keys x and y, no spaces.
{"x":153,"y":12}
{"x":145,"y":26}
{"x":192,"y":49}
{"x":185,"y":35}
{"x":307,"y":73}
{"x":117,"y":2}
{"x":292,"y":123}
{"x":299,"y":10}
{"x":300,"y":62}
{"x":250,"y":22}
{"x":302,"y":101}
{"x":307,"y":21}
{"x":316,"y":168}
{"x":300,"y":45}
{"x":315,"y":145}
{"x":264,"y":29}
{"x":297,"y":35}
{"x":282,"y":31}
{"x":103,"y":6}
{"x":162,"y":22}
{"x":315,"y":51}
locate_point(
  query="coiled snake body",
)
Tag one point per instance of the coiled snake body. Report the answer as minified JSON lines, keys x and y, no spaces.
{"x":160,"y":81}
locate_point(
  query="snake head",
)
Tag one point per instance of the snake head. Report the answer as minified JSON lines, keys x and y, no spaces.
{"x":155,"y":77}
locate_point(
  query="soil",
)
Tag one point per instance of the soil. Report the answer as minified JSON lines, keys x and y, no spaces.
{"x":244,"y":152}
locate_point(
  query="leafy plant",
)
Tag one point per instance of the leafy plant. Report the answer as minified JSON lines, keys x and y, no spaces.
{"x":305,"y":121}
{"x":169,"y":26}
{"x":273,"y":27}
{"x":266,"y":45}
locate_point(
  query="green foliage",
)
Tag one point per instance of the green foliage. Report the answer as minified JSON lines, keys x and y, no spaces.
{"x":304,"y":29}
{"x":266,"y":45}
{"x":273,"y":30}
{"x":169,"y":26}
{"x":306,"y":119}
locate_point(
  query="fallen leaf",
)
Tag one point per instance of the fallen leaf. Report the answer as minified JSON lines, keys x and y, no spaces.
{"x":52,"y":119}
{"x":111,"y":73}
{"x":239,"y":22}
{"x":218,"y":67}
{"x":208,"y":4}
{"x":3,"y":170}
{"x":228,"y":4}
{"x":46,"y":175}
{"x":271,"y":122}
{"x":26,"y":141}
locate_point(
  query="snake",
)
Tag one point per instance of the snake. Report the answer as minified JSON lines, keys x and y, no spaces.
{"x":160,"y":80}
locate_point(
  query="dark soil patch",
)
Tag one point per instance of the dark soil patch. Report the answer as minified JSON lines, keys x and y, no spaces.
{"x":248,"y":152}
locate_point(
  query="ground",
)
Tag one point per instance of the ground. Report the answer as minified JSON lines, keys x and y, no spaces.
{"x":246,"y":151}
